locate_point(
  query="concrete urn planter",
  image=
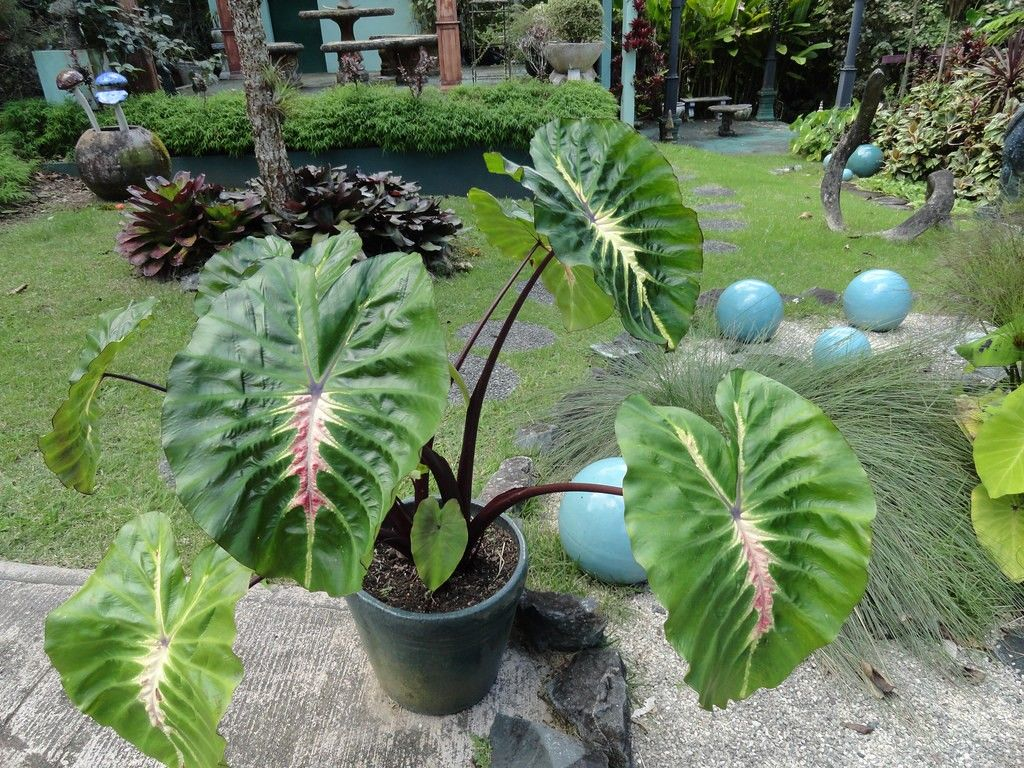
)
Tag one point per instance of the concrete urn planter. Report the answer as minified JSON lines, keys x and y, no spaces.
{"x":572,"y":61}
{"x":111,"y":160}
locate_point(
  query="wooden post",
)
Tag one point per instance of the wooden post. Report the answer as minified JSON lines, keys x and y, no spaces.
{"x":449,"y":45}
{"x":227,"y":31}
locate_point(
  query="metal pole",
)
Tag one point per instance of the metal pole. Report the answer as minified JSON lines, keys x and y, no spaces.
{"x":627,"y":103}
{"x":672,"y":81}
{"x":766,"y":96}
{"x":848,"y":72}
{"x":606,"y":50}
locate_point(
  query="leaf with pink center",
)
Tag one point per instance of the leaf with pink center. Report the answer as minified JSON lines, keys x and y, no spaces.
{"x":298,"y":407}
{"x":756,"y":539}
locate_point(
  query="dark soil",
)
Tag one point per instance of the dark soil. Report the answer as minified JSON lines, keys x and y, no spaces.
{"x":392,"y":578}
{"x":49,"y":192}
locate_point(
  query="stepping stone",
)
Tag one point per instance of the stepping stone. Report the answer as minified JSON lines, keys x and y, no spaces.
{"x":821,"y":295}
{"x":503,"y":382}
{"x":719,"y":246}
{"x":522,"y":337}
{"x":685,"y":176}
{"x":539,"y":293}
{"x":709,"y":298}
{"x":1010,"y":650}
{"x":723,"y":225}
{"x":621,"y":346}
{"x":719,"y":207}
{"x":711,"y":190}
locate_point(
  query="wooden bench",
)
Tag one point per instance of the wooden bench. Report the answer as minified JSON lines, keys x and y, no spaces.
{"x":687,"y":106}
{"x":727,"y":112}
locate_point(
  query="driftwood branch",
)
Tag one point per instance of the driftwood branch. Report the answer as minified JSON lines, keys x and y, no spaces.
{"x":856,"y":134}
{"x":935,"y":210}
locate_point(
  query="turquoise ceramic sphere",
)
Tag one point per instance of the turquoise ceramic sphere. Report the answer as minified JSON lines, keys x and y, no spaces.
{"x":866,"y":160}
{"x":848,"y":174}
{"x":836,"y":344}
{"x":877,"y":300}
{"x":827,"y":160}
{"x":749,"y":311}
{"x":592,"y":526}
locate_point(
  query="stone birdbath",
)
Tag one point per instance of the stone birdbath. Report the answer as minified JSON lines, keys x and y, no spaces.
{"x":110,"y":159}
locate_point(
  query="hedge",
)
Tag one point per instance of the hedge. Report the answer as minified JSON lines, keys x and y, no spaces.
{"x":15,"y":175}
{"x":342,"y":117}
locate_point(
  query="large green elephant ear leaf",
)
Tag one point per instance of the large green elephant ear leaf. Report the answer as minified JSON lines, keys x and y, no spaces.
{"x":229,"y":267}
{"x":756,"y":541}
{"x":999,"y":447}
{"x":142,"y":650}
{"x":999,"y":525}
{"x":332,"y":256}
{"x":1003,"y":347}
{"x":71,"y":449}
{"x":607,"y":199}
{"x":294,"y":413}
{"x":510,"y":229}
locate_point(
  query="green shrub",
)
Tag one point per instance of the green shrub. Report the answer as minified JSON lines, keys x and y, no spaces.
{"x":15,"y":175}
{"x":818,"y":132}
{"x":337,"y":118}
{"x":929,"y":577}
{"x":574,"y":21}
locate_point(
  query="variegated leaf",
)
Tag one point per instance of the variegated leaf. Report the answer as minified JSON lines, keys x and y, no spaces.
{"x":296,"y":410}
{"x":756,"y":541}
{"x":142,"y":650}
{"x":71,"y":449}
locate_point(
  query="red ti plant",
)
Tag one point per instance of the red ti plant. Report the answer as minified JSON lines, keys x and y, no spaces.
{"x":311,"y":389}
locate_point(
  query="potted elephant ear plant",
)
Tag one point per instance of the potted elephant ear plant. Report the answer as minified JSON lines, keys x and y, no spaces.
{"x":574,"y":39}
{"x":298,"y":423}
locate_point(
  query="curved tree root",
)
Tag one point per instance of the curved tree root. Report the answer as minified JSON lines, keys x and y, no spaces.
{"x":941,"y":197}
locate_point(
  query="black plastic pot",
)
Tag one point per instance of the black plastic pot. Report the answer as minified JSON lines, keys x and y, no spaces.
{"x":111,"y":160}
{"x":440,"y":663}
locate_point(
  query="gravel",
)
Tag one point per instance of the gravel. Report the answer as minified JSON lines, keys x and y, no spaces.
{"x":503,"y":382}
{"x":723,"y":225}
{"x":719,"y":207}
{"x":719,"y":246}
{"x":713,"y":190}
{"x":522,"y":337}
{"x":540,"y":293}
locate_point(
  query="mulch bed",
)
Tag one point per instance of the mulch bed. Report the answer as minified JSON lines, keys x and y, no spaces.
{"x":49,"y":192}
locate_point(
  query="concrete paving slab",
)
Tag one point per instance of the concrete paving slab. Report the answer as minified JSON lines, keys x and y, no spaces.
{"x":308,"y":697}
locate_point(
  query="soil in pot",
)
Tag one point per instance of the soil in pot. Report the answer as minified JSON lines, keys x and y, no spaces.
{"x":393,"y":580}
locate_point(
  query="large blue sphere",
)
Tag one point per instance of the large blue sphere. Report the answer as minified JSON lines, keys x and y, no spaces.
{"x":749,"y":311}
{"x":592,"y":526}
{"x":877,"y":300}
{"x":836,"y":344}
{"x":866,"y":160}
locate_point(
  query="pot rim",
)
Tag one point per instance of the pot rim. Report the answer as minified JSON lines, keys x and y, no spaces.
{"x":507,"y":587}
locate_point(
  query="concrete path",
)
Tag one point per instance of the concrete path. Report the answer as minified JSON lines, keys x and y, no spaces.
{"x":309,"y":700}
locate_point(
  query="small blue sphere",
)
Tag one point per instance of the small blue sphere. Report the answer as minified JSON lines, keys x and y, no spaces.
{"x":836,"y":344}
{"x":592,"y":526}
{"x":877,"y":300}
{"x":749,"y":311}
{"x":866,"y":160}
{"x":848,"y":175}
{"x":827,"y":161}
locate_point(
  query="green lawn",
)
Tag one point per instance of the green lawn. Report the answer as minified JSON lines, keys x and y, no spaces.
{"x":73,"y":274}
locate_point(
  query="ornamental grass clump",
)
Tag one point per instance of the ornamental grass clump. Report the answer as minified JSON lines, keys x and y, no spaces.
{"x":929,"y":578}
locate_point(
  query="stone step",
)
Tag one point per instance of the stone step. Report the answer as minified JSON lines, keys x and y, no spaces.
{"x":380,"y":44}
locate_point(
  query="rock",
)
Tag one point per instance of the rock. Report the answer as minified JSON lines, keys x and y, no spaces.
{"x":554,"y":621}
{"x":163,"y":468}
{"x":519,"y":743}
{"x":189,"y":283}
{"x":1012,"y":176}
{"x":516,"y":472}
{"x":621,"y":346}
{"x":709,"y":297}
{"x":536,"y":437}
{"x":590,"y":693}
{"x":821,"y":295}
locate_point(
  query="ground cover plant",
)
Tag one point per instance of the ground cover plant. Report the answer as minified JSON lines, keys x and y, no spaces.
{"x":15,"y":175}
{"x":348,"y":116}
{"x":340,"y":365}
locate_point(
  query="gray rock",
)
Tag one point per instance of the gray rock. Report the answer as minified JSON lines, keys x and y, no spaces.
{"x":536,"y":437}
{"x":503,"y":381}
{"x":189,"y":283}
{"x":723,"y":225}
{"x":621,"y":346}
{"x":821,"y":295}
{"x":521,"y":337}
{"x":719,"y":246}
{"x":1010,"y":649}
{"x":709,"y":297}
{"x":555,"y":621}
{"x":1012,"y":176}
{"x":516,"y":472}
{"x":520,"y":743}
{"x":590,"y":693}
{"x":163,"y":468}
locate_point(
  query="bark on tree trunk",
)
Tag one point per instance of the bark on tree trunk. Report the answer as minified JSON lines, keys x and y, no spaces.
{"x":941,"y":196}
{"x":271,"y":156}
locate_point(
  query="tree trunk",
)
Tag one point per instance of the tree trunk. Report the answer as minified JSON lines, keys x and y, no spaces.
{"x":264,"y":115}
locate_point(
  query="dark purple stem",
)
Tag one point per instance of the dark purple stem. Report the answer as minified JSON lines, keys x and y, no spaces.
{"x":133,"y":380}
{"x":505,"y":501}
{"x":447,"y":487}
{"x":476,"y":401}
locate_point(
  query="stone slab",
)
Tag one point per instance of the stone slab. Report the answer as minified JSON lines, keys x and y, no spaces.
{"x":308,"y":697}
{"x":719,"y":246}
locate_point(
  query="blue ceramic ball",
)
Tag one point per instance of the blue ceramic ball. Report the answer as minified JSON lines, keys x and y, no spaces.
{"x":877,"y":300}
{"x":836,"y":344}
{"x":848,"y":175}
{"x":592,"y":526}
{"x":866,"y":160}
{"x":827,"y":161}
{"x":749,"y":311}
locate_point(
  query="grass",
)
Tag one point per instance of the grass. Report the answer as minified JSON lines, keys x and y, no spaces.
{"x":72,"y":273}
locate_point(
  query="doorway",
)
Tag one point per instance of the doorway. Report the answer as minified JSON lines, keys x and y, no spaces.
{"x":289,"y":28}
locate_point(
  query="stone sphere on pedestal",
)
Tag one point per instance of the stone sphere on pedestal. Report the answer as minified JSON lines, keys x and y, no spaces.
{"x":877,"y":300}
{"x":866,"y":160}
{"x":835,"y":345}
{"x":592,"y":526}
{"x":749,"y":311}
